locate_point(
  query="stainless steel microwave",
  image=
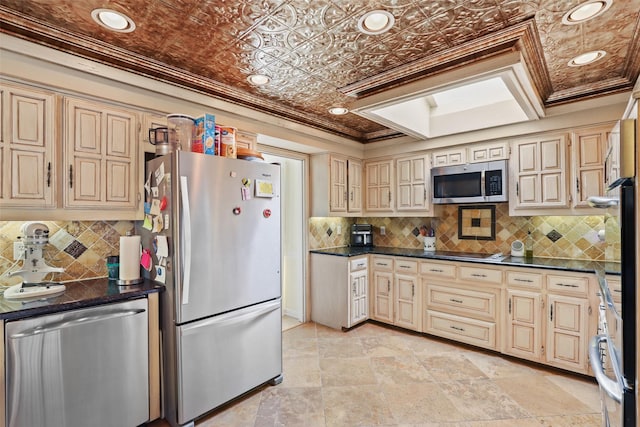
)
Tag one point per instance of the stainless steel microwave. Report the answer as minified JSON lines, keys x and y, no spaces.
{"x":470,"y":183}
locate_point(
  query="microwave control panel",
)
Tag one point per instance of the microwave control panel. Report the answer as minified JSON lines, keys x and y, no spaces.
{"x":493,"y":185}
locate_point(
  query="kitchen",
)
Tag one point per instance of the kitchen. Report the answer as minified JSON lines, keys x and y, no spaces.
{"x":77,"y":75}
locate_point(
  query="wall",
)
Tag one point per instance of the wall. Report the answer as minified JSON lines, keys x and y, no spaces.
{"x":79,"y":246}
{"x":564,"y":237}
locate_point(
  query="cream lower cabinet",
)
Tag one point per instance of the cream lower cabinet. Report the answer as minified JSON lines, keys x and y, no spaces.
{"x":396,"y":294}
{"x":461,"y":302}
{"x":27,"y":149}
{"x":101,"y":158}
{"x":339,"y":290}
{"x":523,"y":326}
{"x":570,"y":320}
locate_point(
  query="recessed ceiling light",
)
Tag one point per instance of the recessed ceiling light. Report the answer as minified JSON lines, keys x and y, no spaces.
{"x":376,"y":22}
{"x":338,"y":111}
{"x":587,"y":58}
{"x":258,"y":79}
{"x":112,"y":20}
{"x":586,"y":11}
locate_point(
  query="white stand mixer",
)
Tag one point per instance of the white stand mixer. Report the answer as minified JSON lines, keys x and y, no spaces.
{"x":34,"y":269}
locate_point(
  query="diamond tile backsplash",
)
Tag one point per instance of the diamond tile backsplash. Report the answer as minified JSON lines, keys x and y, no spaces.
{"x":80,"y":247}
{"x":565,"y":237}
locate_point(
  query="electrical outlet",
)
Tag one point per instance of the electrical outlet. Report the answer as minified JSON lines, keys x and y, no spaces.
{"x":18,"y":250}
{"x":383,"y":230}
{"x":339,"y":230}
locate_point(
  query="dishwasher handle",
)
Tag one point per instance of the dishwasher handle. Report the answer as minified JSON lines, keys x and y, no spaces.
{"x":76,"y":321}
{"x":611,"y":387}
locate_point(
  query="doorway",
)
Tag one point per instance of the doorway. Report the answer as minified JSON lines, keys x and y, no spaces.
{"x":294,"y":233}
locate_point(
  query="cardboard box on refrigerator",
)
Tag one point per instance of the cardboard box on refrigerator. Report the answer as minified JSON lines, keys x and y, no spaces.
{"x":205,"y":134}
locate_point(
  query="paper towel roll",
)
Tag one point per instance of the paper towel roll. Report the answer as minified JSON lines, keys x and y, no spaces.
{"x":129,"y":257}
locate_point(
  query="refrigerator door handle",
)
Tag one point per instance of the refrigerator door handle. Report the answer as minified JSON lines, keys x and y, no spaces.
{"x":186,"y":252}
{"x":611,"y":387}
{"x":233,"y":317}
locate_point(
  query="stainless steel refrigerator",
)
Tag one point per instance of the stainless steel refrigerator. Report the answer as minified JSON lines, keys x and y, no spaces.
{"x":613,"y":352}
{"x":212,"y":234}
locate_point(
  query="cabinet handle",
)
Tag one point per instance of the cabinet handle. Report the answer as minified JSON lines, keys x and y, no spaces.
{"x":405,"y":266}
{"x":509,"y":305}
{"x":455,"y":300}
{"x":70,"y":176}
{"x":551,"y":311}
{"x":523,"y":280}
{"x":389,"y":196}
{"x":353,"y":286}
{"x":457,"y":329}
{"x":590,"y":311}
{"x":567,"y":285}
{"x":388,"y":286}
{"x":517,"y":189}
{"x":618,"y":291}
{"x":435,"y":270}
{"x":49,"y":174}
{"x":345,"y":196}
{"x":413,"y":291}
{"x":577,"y":185}
{"x":352,"y":195}
{"x":478,"y":275}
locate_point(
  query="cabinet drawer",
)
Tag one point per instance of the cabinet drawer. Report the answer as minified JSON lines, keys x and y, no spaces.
{"x":358,"y":264}
{"x":568,"y":284}
{"x":615,"y":287}
{"x":479,"y":274}
{"x":524,"y":279}
{"x":471,"y":331}
{"x":464,"y":301}
{"x":382,"y":263}
{"x":438,"y":269}
{"x":406,"y":266}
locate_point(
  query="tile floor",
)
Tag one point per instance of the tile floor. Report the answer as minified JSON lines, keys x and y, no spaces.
{"x":374,"y":375}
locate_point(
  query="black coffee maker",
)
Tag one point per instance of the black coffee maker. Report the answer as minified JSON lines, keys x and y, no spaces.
{"x":361,"y":235}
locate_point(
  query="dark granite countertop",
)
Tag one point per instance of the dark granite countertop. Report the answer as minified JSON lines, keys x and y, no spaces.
{"x":535,"y":262}
{"x":78,"y":294}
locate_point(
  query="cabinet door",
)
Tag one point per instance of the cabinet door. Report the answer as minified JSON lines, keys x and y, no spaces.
{"x":589,"y":146}
{"x":567,"y":323}
{"x":540,"y":173}
{"x":379,"y":186}
{"x":27,"y":147}
{"x":338,"y":183}
{"x":358,"y":297}
{"x":354,"y":179}
{"x":383,"y":296}
{"x":101,"y":157}
{"x":406,"y":303}
{"x":524,"y":324}
{"x":412,"y":183}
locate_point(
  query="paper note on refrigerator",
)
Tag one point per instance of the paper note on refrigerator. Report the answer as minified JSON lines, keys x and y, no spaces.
{"x":264,"y":188}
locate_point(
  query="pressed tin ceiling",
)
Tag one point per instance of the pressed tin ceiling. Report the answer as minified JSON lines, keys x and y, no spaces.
{"x":317,"y":59}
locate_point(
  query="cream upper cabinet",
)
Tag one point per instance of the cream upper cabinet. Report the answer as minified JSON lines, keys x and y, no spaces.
{"x":412,"y":183}
{"x":338,"y":181}
{"x":101,"y":157}
{"x":27,"y":149}
{"x":488,"y":152}
{"x":454,"y":156}
{"x":379,"y":185}
{"x":336,"y":185}
{"x":589,"y":147}
{"x":538,"y":176}
{"x":354,"y":184}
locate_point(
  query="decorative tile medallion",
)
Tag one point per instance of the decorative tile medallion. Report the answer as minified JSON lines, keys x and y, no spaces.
{"x":477,"y":222}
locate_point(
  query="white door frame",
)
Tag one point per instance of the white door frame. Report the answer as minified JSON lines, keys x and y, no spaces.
{"x":306,"y":291}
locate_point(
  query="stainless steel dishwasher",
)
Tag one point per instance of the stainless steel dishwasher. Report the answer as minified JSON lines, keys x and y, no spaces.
{"x":79,"y":368}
